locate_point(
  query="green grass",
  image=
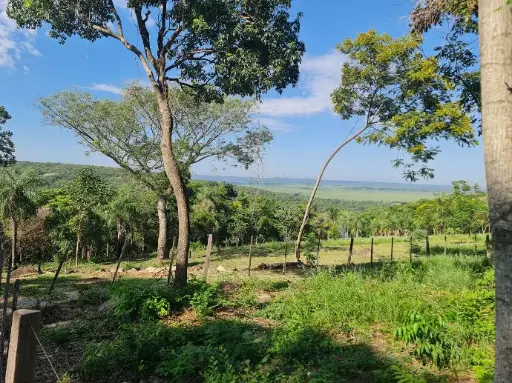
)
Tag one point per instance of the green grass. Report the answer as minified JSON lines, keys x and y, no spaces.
{"x":346,"y":193}
{"x":364,"y":324}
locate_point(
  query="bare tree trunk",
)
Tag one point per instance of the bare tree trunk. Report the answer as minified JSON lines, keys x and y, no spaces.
{"x":178,"y":186}
{"x":77,"y":250}
{"x":14,"y":247}
{"x":162,"y":227}
{"x":315,"y":188}
{"x":495,"y":28}
{"x":121,"y":255}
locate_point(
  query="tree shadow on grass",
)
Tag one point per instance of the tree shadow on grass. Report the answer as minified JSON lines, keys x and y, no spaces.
{"x":221,"y":349}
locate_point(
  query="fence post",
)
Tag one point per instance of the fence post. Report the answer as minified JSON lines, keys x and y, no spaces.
{"x":15,"y":293}
{"x":250,"y":255}
{"x":428,"y":245}
{"x":410,"y":249}
{"x":445,"y":245}
{"x":22,"y":346}
{"x":392,"y":245}
{"x":208,"y":253}
{"x":318,"y":247}
{"x":488,"y":245}
{"x":350,"y":250}
{"x":371,"y":254}
{"x":171,"y":258}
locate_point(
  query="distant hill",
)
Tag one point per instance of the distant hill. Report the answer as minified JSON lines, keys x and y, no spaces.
{"x":357,"y":194}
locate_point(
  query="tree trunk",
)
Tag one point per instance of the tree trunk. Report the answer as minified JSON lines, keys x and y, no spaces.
{"x":161,"y":208}
{"x":14,"y":247}
{"x":315,"y":189}
{"x":495,"y":19}
{"x":178,"y":186}
{"x":121,"y":255}
{"x":77,"y":250}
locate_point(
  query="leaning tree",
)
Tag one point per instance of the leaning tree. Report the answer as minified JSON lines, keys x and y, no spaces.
{"x":398,"y":98}
{"x":210,"y":47}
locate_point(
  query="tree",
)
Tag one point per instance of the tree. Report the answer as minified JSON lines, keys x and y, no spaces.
{"x":495,"y":29}
{"x":402,"y":97}
{"x":129,"y":132}
{"x":6,"y":144}
{"x":212,"y":48}
{"x":87,"y":193}
{"x":16,"y":203}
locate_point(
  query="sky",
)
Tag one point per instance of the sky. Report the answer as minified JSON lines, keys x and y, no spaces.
{"x":305,"y":128}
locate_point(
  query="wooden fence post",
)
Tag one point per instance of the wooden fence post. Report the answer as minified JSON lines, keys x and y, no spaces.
{"x":445,"y":245}
{"x":208,"y":253}
{"x":428,"y":245}
{"x":371,"y":254}
{"x":318,"y":247}
{"x":22,"y":346}
{"x":392,"y":245}
{"x":171,"y":260}
{"x":250,"y":255}
{"x":350,"y":250}
{"x":488,"y":246}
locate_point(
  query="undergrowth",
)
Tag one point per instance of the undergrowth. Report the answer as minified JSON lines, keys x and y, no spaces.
{"x":439,"y":311}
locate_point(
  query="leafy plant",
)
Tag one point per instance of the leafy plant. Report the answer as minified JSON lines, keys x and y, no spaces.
{"x":206,"y":299}
{"x":155,"y":307}
{"x":428,"y":333}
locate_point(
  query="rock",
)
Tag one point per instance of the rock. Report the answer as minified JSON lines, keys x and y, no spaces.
{"x":150,"y":269}
{"x":44,"y":305}
{"x":27,"y":303}
{"x":221,"y":269}
{"x":72,"y":296}
{"x":134,"y":270}
{"x":58,"y":324}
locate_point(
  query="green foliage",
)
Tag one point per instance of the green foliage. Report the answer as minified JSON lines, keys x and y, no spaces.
{"x":404,"y":97}
{"x":6,"y":144}
{"x":206,"y":299}
{"x":429,"y":335}
{"x":154,"y":307}
{"x":215,"y":44}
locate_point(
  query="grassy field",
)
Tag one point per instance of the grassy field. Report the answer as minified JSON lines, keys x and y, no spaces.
{"x":347,"y":193}
{"x":429,"y":320}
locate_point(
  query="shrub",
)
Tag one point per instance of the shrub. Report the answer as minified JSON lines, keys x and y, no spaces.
{"x":429,"y":335}
{"x":206,"y":298}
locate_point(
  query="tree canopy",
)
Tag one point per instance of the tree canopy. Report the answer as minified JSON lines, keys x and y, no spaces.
{"x":6,"y":144}
{"x":404,"y":99}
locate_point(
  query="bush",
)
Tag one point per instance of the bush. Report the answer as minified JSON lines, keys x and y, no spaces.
{"x":206,"y":298}
{"x":429,"y":334}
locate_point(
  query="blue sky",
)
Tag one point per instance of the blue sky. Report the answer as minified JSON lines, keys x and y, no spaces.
{"x":305,"y":129}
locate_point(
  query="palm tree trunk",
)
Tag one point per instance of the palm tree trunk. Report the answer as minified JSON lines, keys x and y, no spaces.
{"x":14,"y":247}
{"x":315,"y":189}
{"x":495,"y":28}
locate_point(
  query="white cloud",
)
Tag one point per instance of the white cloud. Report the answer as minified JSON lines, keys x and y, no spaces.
{"x":26,"y":69}
{"x":14,"y":41}
{"x":274,"y":124}
{"x":319,"y":77}
{"x":106,"y":88}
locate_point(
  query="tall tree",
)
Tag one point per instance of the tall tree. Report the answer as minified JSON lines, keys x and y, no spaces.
{"x":495,"y":29}
{"x":403,"y":99}
{"x":6,"y":144}
{"x":211,"y":47}
{"x":129,"y":132}
{"x":87,"y":193}
{"x":16,"y":203}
